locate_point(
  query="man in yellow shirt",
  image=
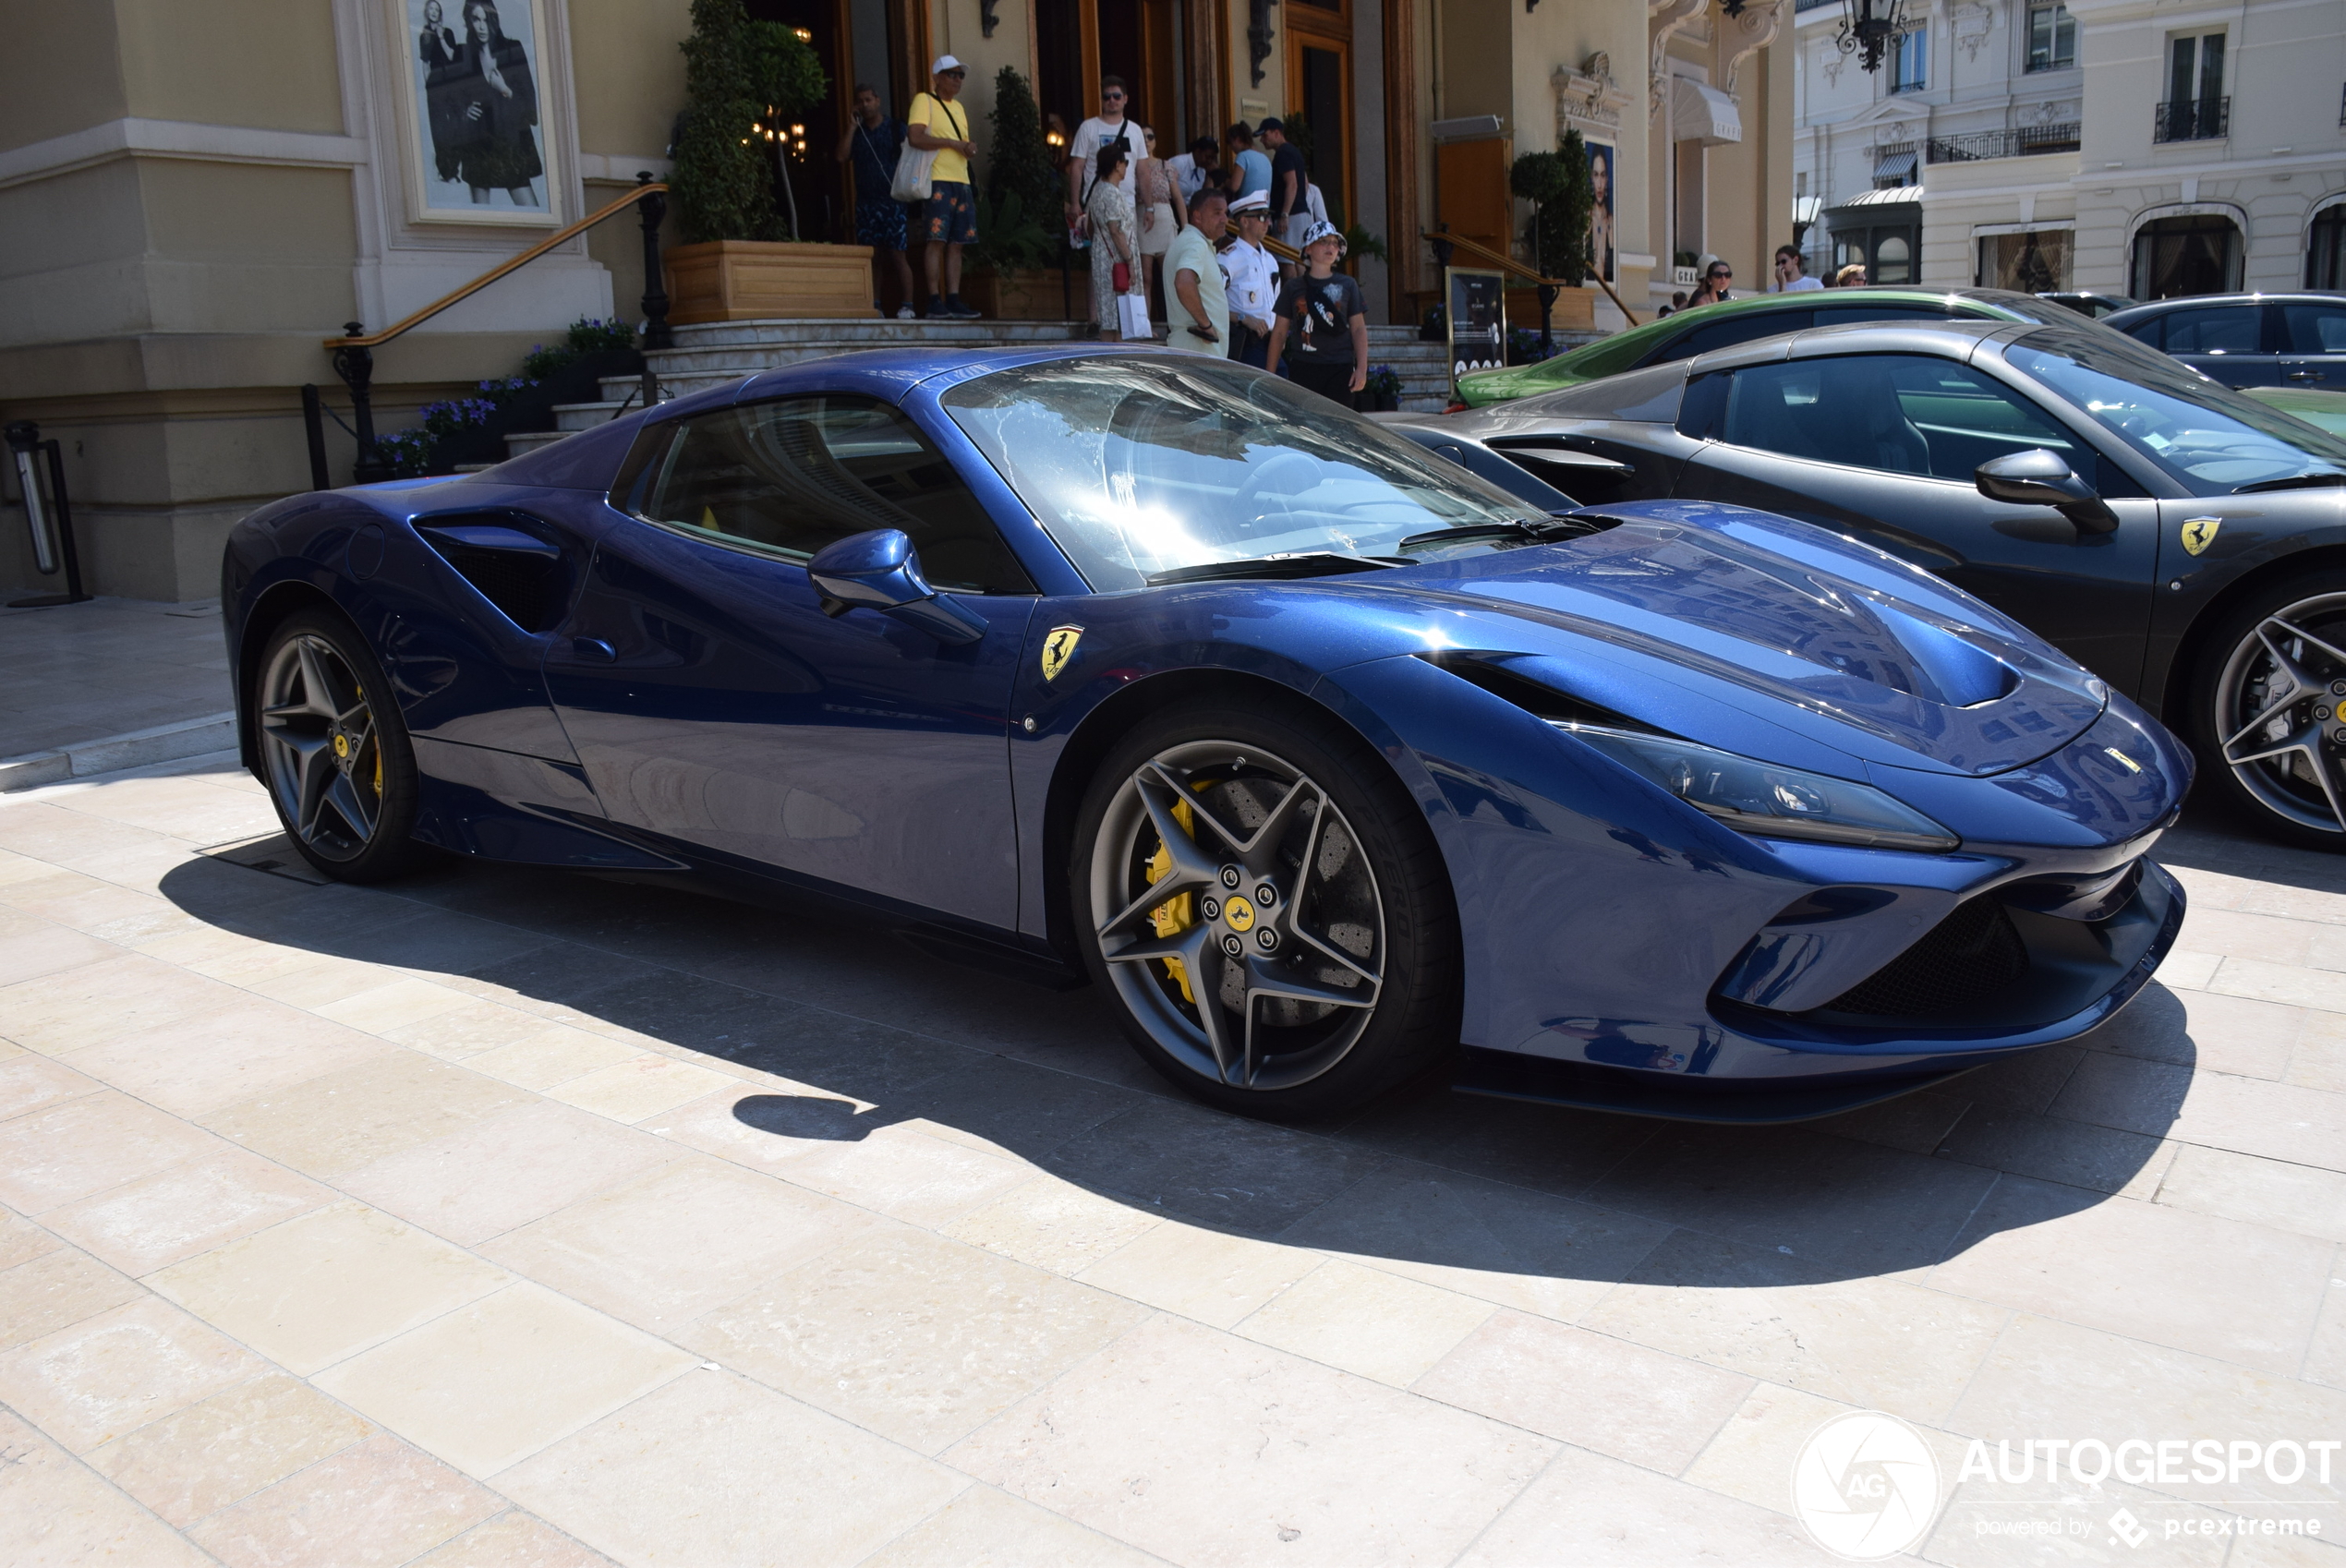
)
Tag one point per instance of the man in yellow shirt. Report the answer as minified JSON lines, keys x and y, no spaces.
{"x":949,"y":218}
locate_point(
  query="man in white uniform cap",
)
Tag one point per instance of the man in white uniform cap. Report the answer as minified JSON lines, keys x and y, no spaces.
{"x":1250,"y":280}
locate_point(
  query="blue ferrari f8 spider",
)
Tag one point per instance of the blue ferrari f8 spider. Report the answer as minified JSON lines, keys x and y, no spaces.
{"x":1332,"y":763}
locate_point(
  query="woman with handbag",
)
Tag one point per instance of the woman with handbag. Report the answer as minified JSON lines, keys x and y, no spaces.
{"x":1158,"y":200}
{"x":1115,"y":241}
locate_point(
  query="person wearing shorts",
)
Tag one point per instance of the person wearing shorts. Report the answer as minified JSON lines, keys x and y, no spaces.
{"x":949,"y":218}
{"x":870,"y":149}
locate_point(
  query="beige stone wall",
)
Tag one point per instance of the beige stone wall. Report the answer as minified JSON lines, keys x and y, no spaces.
{"x":61,"y":71}
{"x":269,"y":64}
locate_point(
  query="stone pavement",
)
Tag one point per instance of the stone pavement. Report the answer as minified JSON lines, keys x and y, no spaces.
{"x":499,"y":1218}
{"x":78,"y":672}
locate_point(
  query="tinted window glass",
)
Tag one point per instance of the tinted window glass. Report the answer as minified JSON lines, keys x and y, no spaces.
{"x":1856,"y":313}
{"x":1647,"y":396}
{"x":1743,"y":326}
{"x":2209,"y":436}
{"x":1897,"y":412}
{"x":788,"y":477}
{"x":2316,"y":328}
{"x":2221,"y":329}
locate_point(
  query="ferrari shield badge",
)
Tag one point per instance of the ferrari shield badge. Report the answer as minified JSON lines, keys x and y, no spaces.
{"x":2198,"y":534}
{"x":1059,"y":647}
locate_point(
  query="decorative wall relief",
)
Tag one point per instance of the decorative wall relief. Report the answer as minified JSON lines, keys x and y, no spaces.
{"x":1751,"y":31}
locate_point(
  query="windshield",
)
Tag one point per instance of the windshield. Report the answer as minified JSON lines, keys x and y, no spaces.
{"x":1144,"y":465}
{"x":2207,"y":436}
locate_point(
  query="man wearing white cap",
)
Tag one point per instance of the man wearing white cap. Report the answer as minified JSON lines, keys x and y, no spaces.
{"x":948,"y":219}
{"x":1251,"y":279}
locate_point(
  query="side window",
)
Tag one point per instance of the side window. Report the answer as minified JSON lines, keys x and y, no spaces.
{"x":2316,"y":328}
{"x":1895,"y":413}
{"x":2219,"y":329}
{"x":1854,"y":313}
{"x":2152,"y":332}
{"x":787,"y":477}
{"x":1743,"y":326}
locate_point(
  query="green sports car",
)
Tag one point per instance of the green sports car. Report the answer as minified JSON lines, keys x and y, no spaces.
{"x":1698,"y":330}
{"x":2323,"y":410}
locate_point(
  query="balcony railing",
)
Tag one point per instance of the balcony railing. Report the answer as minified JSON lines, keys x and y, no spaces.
{"x":2025,"y":142}
{"x":2193,"y":119}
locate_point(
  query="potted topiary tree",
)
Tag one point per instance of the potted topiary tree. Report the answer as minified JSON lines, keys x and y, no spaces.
{"x":1018,"y":214}
{"x":1563,"y":193}
{"x":736,"y":263}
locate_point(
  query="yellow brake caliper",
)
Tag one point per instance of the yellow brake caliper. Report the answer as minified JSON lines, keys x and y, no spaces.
{"x":1177,"y":914}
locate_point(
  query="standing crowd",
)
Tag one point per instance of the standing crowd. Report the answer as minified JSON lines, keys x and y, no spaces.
{"x":1197,"y":225}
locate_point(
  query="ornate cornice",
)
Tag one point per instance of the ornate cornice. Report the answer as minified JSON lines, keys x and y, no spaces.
{"x":1588,"y":96}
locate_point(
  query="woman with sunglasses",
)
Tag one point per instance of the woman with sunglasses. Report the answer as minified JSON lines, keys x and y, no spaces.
{"x":1715,"y":279}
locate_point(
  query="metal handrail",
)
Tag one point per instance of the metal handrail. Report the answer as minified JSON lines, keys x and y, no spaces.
{"x":2024,"y":141}
{"x":353,"y":356}
{"x":1510,"y":264}
{"x":570,"y":231}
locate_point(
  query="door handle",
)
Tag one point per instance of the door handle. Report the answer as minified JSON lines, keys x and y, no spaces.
{"x":594,"y":650}
{"x":2306,"y":376}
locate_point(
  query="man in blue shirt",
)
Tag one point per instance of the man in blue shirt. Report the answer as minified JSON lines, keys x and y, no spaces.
{"x":871,"y":146}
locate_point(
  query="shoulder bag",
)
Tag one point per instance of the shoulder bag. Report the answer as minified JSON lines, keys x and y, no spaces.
{"x":914,"y":164}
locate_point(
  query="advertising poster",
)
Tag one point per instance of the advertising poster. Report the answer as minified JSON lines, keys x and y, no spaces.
{"x":1478,"y":316}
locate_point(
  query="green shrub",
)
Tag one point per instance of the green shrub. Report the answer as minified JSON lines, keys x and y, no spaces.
{"x":1563,"y":193}
{"x":1025,"y":177}
{"x":720,"y":176}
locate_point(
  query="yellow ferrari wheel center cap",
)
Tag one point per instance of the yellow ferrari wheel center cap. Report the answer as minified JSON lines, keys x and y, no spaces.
{"x":342,"y":745}
{"x":1238,"y":914}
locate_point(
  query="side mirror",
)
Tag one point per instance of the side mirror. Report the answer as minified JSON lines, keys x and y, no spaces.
{"x":2042,"y":478}
{"x":879,"y":571}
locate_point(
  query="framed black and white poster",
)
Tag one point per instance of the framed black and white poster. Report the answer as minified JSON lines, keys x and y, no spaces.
{"x":477,"y":145}
{"x":1601,"y":161}
{"x":1478,"y":318}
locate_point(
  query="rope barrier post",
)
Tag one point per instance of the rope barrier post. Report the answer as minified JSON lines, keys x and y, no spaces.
{"x":24,"y":442}
{"x":355,"y":364}
{"x":653,"y":206}
{"x":313,"y":425}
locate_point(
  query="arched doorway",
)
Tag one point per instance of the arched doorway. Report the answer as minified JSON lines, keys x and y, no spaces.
{"x":2326,"y":247}
{"x":2198,"y":253}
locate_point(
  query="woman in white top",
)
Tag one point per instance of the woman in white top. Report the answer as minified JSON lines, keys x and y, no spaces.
{"x":1115,"y":240}
{"x":1160,"y":201}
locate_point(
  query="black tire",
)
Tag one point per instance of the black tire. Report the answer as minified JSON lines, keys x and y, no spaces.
{"x":333,"y":750}
{"x":1361,"y":907}
{"x":2279,"y":655}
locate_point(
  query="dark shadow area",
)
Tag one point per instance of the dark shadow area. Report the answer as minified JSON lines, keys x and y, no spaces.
{"x":880,"y":1034}
{"x":2217,"y":836}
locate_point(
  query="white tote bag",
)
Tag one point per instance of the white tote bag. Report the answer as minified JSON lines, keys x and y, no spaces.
{"x":913,"y":165}
{"x":1132,"y":317}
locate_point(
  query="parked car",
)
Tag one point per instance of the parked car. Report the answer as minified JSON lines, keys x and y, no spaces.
{"x":2184,"y":542}
{"x":2093,"y":306}
{"x":2323,"y":410}
{"x":2248,"y":339}
{"x":1316,"y":753}
{"x":1707,"y":327}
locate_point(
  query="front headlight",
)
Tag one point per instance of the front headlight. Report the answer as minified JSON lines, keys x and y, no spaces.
{"x":1763,"y":798}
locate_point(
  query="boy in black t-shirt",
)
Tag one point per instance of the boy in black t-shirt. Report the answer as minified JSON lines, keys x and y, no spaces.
{"x":1323,"y":322}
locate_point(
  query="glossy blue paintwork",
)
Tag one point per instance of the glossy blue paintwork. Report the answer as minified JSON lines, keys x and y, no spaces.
{"x":695,"y":706}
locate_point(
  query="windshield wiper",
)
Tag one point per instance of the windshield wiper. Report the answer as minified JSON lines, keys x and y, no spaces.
{"x":2293,"y":482}
{"x":1537,"y":530}
{"x":1303,"y":563}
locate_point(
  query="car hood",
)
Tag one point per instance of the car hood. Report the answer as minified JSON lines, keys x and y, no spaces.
{"x":1747,"y":630}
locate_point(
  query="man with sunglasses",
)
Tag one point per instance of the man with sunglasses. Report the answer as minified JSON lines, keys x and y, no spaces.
{"x":1107,"y":128}
{"x":949,"y":218}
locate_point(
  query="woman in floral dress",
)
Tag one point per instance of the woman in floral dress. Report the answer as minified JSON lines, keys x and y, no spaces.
{"x":1115,"y":240}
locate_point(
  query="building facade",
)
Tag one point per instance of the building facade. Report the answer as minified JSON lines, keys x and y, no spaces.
{"x":2138,"y":148}
{"x":193,"y":197}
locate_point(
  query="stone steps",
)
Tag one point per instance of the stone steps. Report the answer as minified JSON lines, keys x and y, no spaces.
{"x":715,"y":353}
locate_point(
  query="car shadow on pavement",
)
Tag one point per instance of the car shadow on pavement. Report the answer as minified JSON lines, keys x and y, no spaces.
{"x":869,"y":1035}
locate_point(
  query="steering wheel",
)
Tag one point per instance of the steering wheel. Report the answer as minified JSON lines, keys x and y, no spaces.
{"x":1289,"y":474}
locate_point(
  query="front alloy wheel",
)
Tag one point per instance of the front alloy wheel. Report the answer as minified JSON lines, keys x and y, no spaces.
{"x":334,"y":757}
{"x":1235,"y":908}
{"x":2276,"y":713}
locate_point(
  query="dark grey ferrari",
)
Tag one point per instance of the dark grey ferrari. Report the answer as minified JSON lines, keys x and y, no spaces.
{"x":2184,"y":542}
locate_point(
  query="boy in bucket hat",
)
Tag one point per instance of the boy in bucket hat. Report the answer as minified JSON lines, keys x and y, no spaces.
{"x":1323,"y":322}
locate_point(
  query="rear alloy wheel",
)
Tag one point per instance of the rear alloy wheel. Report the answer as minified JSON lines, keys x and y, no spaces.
{"x":1269,"y":912}
{"x":334,"y":753}
{"x":2271,"y":709}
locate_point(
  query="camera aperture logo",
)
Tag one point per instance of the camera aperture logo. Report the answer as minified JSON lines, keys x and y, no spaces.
{"x":1865,"y":1485}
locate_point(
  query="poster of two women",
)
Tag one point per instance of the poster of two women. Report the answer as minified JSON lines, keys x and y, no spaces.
{"x":482,"y":150}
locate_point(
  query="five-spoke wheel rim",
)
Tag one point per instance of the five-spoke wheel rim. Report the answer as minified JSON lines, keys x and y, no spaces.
{"x":319,"y":742}
{"x":1239,"y":915}
{"x":2277,"y":713}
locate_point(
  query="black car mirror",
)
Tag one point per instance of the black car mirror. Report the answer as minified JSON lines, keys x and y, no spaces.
{"x":879,"y":569}
{"x":2043,"y":478}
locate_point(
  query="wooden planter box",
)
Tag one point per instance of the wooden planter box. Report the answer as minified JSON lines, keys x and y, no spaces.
{"x":1575,"y":309}
{"x":1031,"y":295}
{"x":748,"y":280}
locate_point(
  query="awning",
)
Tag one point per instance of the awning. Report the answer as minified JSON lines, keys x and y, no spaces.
{"x":1894,"y":166}
{"x":1702,"y":113}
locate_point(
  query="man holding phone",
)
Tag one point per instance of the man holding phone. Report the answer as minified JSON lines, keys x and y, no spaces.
{"x":1200,"y":309}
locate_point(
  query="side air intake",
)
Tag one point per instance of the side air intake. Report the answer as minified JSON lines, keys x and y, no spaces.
{"x":526,"y":577}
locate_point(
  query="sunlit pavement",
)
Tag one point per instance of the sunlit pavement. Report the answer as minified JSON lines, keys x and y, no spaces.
{"x":499,"y":1217}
